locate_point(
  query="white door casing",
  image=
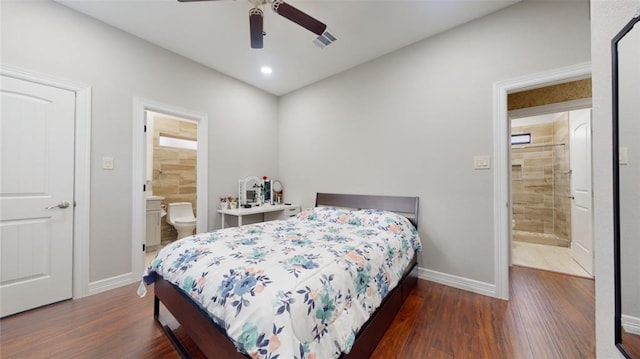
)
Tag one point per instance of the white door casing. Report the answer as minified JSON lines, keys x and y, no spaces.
{"x":36,"y":235}
{"x":138,"y":202}
{"x":502,"y":161}
{"x":581,"y":204}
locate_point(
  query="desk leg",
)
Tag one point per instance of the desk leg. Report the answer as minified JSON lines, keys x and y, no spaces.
{"x":239,"y":221}
{"x":222,"y":220}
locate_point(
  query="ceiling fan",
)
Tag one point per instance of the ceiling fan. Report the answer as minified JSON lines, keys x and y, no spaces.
{"x":287,"y":11}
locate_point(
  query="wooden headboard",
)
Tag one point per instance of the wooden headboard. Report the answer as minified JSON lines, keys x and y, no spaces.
{"x":406,"y":206}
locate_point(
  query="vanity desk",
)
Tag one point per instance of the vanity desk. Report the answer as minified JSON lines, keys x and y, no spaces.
{"x":269,"y":211}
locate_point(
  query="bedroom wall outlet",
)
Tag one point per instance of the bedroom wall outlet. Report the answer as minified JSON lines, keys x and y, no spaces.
{"x":107,"y":163}
{"x":481,"y":162}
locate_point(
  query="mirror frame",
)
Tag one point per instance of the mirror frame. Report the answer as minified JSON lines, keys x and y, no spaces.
{"x":616,"y":184}
{"x":242,"y":188}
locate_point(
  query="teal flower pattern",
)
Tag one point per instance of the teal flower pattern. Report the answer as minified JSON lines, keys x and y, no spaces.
{"x":248,"y":337}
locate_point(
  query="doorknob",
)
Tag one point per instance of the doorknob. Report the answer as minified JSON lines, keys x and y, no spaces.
{"x":63,"y":204}
{"x":571,"y":197}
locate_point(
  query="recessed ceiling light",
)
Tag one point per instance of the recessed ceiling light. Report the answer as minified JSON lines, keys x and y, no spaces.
{"x":266,"y":70}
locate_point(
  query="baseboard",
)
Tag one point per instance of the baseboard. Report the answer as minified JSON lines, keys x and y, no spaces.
{"x":426,"y":274}
{"x":458,"y":282}
{"x":104,"y":285}
{"x":631,"y":324}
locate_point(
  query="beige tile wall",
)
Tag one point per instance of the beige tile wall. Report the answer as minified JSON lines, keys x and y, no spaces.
{"x":539,"y":183}
{"x":174,"y":169}
{"x":562,"y":180}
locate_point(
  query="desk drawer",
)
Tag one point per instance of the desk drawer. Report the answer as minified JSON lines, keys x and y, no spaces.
{"x":286,"y":213}
{"x":291,"y":212}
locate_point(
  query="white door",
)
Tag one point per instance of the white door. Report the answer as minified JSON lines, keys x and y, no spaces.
{"x":36,"y":194}
{"x":581,"y":213}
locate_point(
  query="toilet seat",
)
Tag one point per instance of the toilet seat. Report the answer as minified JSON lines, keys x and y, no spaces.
{"x":185,"y":220}
{"x":180,"y":216}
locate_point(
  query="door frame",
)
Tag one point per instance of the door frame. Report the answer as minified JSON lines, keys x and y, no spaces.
{"x":502,"y":159}
{"x":82,"y":170}
{"x":139,"y":160}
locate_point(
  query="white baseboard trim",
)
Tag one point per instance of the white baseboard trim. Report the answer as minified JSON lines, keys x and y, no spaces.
{"x":458,"y":282}
{"x":631,"y":324}
{"x":426,"y":274}
{"x":104,"y":285}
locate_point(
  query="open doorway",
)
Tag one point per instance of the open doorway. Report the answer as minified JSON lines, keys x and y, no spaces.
{"x":550,"y":170}
{"x":171,"y":180}
{"x":182,"y":153}
{"x":502,"y":160}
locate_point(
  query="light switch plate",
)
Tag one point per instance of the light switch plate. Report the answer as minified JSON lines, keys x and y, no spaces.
{"x":481,"y":162}
{"x":623,"y":156}
{"x":107,"y":163}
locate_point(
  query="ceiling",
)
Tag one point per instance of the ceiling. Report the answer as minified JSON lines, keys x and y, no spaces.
{"x":216,"y":33}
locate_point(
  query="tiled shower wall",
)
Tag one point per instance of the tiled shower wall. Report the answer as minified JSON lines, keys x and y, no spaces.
{"x":541,"y":184}
{"x":174,"y":169}
{"x":562,"y":180}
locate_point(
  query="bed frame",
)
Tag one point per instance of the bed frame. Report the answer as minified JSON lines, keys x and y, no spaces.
{"x":212,"y":340}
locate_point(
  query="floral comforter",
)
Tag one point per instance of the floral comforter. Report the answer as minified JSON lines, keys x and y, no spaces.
{"x":299,"y":288}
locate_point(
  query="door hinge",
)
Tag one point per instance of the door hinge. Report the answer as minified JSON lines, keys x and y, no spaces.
{"x":143,"y":247}
{"x":145,"y":128}
{"x":144,"y":188}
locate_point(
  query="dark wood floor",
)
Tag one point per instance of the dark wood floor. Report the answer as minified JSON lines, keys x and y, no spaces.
{"x":549,"y":315}
{"x":631,"y":343}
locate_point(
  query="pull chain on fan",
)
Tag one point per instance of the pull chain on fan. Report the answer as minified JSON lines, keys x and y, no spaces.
{"x":256,"y":22}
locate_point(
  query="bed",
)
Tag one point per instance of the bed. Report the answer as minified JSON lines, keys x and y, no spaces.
{"x":325,"y":284}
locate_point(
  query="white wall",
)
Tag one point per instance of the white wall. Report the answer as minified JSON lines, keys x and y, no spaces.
{"x":45,"y":37}
{"x":607,"y":18}
{"x":410,"y":123}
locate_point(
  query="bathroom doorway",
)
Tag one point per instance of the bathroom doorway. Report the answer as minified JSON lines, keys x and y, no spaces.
{"x":542,"y":195}
{"x":171,"y":175}
{"x":164,"y":155}
{"x":544,"y":170}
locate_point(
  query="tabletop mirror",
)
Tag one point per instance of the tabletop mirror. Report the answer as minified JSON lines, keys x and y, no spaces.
{"x":626,"y":184}
{"x":249,"y":190}
{"x":277,"y":191}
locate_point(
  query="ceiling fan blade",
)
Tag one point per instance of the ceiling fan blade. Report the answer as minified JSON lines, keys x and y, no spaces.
{"x":299,"y":17}
{"x":255,"y":27}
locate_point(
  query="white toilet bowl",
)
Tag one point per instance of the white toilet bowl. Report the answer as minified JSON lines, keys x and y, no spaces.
{"x":180,"y":216}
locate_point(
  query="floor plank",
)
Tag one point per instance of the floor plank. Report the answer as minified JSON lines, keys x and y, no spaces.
{"x":550,"y":315}
{"x":631,"y":344}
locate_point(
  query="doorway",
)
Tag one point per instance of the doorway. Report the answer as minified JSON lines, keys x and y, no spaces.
{"x":171,"y":177}
{"x":45,"y":214}
{"x":502,"y":160}
{"x":550,"y":174}
{"x":178,"y":128}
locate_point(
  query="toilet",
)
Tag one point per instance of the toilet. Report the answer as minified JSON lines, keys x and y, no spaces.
{"x":180,"y":216}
